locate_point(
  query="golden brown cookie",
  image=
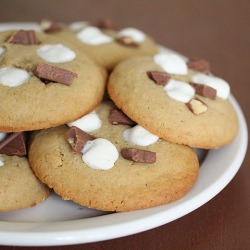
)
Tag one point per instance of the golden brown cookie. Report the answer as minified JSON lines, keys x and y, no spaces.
{"x":173,"y":100}
{"x":108,"y":46}
{"x":45,"y":81}
{"x":19,"y":187}
{"x":169,"y":173}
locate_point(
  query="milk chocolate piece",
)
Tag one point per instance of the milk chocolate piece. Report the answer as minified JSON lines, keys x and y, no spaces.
{"x":204,"y":90}
{"x":105,"y":23}
{"x":14,"y":144}
{"x":196,"y":106}
{"x":138,"y":155}
{"x":77,"y":138}
{"x":117,"y":117}
{"x":54,"y":74}
{"x":50,"y":26}
{"x":24,"y":37}
{"x":160,"y":78}
{"x":200,"y":65}
{"x":127,"y":41}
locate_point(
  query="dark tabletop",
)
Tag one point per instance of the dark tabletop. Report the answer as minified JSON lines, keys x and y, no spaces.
{"x":217,"y":30}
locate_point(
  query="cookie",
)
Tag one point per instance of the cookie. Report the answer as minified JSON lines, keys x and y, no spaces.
{"x":44,"y":81}
{"x":116,"y":167}
{"x":177,"y":100}
{"x":19,"y":187}
{"x":105,"y":44}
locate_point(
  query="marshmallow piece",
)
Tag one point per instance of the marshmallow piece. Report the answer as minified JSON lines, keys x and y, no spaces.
{"x":56,"y":53}
{"x":180,"y":91}
{"x":2,"y":51}
{"x":87,"y":123}
{"x":13,"y":77}
{"x":221,"y":86}
{"x":100,"y":154}
{"x":171,"y":63}
{"x":1,"y":161}
{"x":76,"y":26}
{"x":93,"y":36}
{"x":137,"y":35}
{"x":139,"y":136}
{"x":2,"y":136}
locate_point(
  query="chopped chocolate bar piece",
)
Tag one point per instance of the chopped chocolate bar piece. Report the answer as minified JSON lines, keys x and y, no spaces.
{"x":127,"y":41}
{"x":49,"y":26}
{"x":106,"y":23}
{"x":138,"y":155}
{"x":24,"y":37}
{"x":77,"y":138}
{"x":204,"y":90}
{"x":14,"y":144}
{"x":160,"y":78}
{"x":117,"y":117}
{"x":200,"y":65}
{"x":54,"y":74}
{"x":197,"y":106}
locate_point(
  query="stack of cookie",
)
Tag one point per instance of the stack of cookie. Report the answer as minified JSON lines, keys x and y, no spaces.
{"x":44,"y":82}
{"x":130,"y":147}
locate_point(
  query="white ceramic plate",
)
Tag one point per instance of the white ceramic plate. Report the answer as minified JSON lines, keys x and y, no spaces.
{"x":58,"y":222}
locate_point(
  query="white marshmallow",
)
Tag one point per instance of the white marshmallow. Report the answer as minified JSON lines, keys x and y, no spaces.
{"x":56,"y":53}
{"x":137,"y":35}
{"x":2,"y":136}
{"x":180,"y":91}
{"x":76,"y":26}
{"x":1,"y":161}
{"x":139,"y":136}
{"x":88,"y":123}
{"x":100,"y":154}
{"x":2,"y":51}
{"x":171,"y":63}
{"x":93,"y":36}
{"x":13,"y":77}
{"x":222,"y":87}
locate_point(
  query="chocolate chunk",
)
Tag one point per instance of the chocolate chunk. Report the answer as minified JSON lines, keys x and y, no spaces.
{"x":77,"y":138}
{"x":117,"y":117}
{"x":196,"y":106}
{"x":200,"y":65}
{"x":204,"y":90}
{"x":14,"y":144}
{"x":105,"y":23}
{"x":138,"y":155}
{"x":160,"y":78}
{"x":127,"y":41}
{"x":54,"y":74}
{"x":49,"y":26}
{"x":24,"y":37}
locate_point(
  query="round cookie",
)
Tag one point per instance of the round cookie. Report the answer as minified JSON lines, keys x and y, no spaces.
{"x":45,"y":81}
{"x":179,"y":108}
{"x":126,"y":186}
{"x":19,"y":187}
{"x":108,"y":46}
